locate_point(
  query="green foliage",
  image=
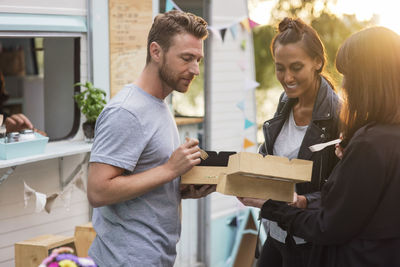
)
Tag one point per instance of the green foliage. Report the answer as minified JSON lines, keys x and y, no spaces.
{"x":265,"y":69}
{"x":91,"y":101}
{"x":307,"y":10}
{"x":332,"y":30}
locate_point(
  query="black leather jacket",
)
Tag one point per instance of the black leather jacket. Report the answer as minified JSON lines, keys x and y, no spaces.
{"x":323,"y":127}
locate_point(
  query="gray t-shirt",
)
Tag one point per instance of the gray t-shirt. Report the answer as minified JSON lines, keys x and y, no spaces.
{"x":137,"y":132}
{"x":287,"y":144}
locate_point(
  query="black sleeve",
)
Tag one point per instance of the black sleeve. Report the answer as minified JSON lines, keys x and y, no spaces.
{"x":353,"y":195}
{"x":313,"y":199}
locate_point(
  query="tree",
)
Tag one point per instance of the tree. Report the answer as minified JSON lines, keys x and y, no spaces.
{"x":332,"y":30}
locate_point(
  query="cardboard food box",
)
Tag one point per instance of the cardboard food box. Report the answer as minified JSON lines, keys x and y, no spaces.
{"x":270,"y":177}
{"x":208,"y":171}
{"x":247,"y":174}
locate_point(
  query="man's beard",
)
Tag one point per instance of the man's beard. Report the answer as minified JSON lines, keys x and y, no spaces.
{"x":167,"y":77}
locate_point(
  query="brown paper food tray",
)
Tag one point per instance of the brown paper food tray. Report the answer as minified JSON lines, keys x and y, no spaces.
{"x":296,"y":170}
{"x":209,"y":169}
{"x":241,"y":185}
{"x":202,"y":175}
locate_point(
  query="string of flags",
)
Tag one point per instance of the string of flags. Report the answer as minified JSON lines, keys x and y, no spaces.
{"x":45,"y":202}
{"x":219,"y":32}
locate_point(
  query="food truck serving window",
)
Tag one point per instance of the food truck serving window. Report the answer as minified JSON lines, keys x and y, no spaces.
{"x":40,"y":71}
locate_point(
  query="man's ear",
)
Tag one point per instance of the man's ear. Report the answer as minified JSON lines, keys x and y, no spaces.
{"x":155,"y":51}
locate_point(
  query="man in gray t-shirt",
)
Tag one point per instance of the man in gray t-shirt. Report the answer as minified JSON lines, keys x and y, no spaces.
{"x":136,"y":159}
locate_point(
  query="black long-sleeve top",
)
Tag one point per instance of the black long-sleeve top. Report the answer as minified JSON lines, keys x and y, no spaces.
{"x":358,"y":221}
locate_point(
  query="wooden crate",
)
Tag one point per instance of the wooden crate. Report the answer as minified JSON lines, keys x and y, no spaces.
{"x":30,"y":253}
{"x":84,"y":236}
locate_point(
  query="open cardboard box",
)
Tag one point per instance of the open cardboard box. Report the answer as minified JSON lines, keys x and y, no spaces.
{"x":252,"y":175}
{"x":209,"y":170}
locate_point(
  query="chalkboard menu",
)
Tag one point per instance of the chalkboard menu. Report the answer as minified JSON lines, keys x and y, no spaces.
{"x":129,"y":22}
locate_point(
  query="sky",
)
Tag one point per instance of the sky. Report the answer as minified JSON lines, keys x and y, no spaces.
{"x":387,"y":10}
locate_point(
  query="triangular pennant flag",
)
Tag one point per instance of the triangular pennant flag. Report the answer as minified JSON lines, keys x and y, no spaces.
{"x":66,"y":196}
{"x":233,"y":30}
{"x":240,"y":105}
{"x":40,"y":201}
{"x":40,"y":198}
{"x":222,"y":32}
{"x":243,"y":65}
{"x":168,"y":5}
{"x":247,"y":143}
{"x":245,"y":24}
{"x":248,"y":124}
{"x":243,"y":45}
{"x":216,"y":33}
{"x":78,"y":182}
{"x":28,"y":192}
{"x":50,"y":201}
{"x":250,"y":84}
{"x":253,"y":24}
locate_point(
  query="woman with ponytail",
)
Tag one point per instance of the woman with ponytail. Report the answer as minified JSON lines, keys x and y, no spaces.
{"x":307,"y":114}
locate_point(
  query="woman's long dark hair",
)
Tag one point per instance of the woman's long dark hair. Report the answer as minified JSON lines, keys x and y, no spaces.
{"x":370,"y":63}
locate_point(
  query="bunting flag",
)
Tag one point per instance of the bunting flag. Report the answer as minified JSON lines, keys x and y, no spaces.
{"x":247,"y":143}
{"x":40,"y":201}
{"x":240,"y":105}
{"x":78,"y":182}
{"x":250,"y":85}
{"x":243,"y":64}
{"x":248,"y":124}
{"x":216,"y":33}
{"x":44,"y":202}
{"x":66,"y":196}
{"x":243,"y":45}
{"x":222,"y":32}
{"x":169,"y":5}
{"x":233,"y":29}
{"x":246,"y":24}
{"x":252,"y":24}
{"x":49,"y":202}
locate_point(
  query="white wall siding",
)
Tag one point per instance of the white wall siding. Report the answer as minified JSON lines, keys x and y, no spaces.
{"x":18,"y":223}
{"x":66,"y":7}
{"x":228,"y":89}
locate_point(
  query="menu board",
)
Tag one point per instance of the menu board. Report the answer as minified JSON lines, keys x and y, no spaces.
{"x":129,"y":24}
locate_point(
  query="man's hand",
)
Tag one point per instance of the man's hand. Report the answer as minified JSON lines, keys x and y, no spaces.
{"x":193,"y":191}
{"x":254,"y":202}
{"x":184,"y":157}
{"x":17,"y":122}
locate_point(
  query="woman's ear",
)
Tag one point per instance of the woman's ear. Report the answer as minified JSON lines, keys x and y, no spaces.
{"x":318,"y":64}
{"x":155,"y":51}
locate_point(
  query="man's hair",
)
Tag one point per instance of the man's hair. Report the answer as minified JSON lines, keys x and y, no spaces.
{"x":169,"y":24}
{"x":370,"y":63}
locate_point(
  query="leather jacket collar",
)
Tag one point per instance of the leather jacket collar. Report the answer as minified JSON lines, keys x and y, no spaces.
{"x":325,"y":108}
